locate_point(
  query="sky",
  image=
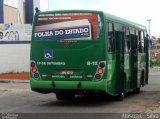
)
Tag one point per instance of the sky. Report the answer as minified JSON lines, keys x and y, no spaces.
{"x":13,"y":3}
{"x":138,"y":11}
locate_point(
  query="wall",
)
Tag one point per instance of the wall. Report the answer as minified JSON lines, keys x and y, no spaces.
{"x":14,"y":58}
{"x":15,"y":48}
{"x":10,"y":14}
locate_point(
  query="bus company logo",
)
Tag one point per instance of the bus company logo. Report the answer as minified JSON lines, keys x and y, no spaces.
{"x":48,"y":54}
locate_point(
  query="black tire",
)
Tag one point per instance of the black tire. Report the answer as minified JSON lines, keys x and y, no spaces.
{"x":65,"y":96}
{"x":136,"y":91}
{"x":142,"y":79}
{"x":120,"y":97}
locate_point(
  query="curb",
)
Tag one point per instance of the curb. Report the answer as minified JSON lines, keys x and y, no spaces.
{"x":13,"y":81}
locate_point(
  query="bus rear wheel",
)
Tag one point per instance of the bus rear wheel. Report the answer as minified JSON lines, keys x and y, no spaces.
{"x":136,"y":91}
{"x":65,"y":96}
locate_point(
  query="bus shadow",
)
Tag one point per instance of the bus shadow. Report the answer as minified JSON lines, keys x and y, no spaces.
{"x":90,"y":100}
{"x":84,"y":100}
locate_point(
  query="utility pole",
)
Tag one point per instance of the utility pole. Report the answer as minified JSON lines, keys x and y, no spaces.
{"x":149,"y":53}
{"x":29,"y":11}
{"x":149,"y":20}
{"x":1,"y":11}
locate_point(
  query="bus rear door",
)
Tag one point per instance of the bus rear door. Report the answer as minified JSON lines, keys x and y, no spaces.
{"x":120,"y":77}
{"x":134,"y":56}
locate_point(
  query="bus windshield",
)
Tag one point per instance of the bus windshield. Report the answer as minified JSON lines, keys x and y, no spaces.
{"x":67,"y":26}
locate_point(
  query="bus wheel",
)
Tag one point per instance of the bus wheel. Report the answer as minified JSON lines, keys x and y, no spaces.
{"x":142,"y":79}
{"x":136,"y":91}
{"x":120,"y":97}
{"x":65,"y":96}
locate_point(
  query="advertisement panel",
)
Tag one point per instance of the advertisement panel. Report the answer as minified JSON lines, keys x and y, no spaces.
{"x":14,"y":33}
{"x":64,"y":30}
{"x":67,"y":26}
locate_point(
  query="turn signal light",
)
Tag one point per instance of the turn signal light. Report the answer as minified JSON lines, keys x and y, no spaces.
{"x":102,"y":65}
{"x":33,"y":64}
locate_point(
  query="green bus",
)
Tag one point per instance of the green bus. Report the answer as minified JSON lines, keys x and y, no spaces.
{"x":84,"y":51}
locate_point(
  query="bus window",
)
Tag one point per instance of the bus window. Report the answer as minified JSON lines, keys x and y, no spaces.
{"x":141,"y":41}
{"x":132,"y":31}
{"x":127,"y":39}
{"x":127,"y":44}
{"x":136,"y":32}
{"x":68,"y":26}
{"x":145,"y":37}
{"x":111,"y":42}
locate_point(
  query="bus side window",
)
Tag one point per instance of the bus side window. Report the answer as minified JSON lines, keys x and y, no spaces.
{"x":141,"y":41}
{"x":127,"y":40}
{"x":111,"y":42}
{"x":127,"y":43}
{"x":145,"y":38}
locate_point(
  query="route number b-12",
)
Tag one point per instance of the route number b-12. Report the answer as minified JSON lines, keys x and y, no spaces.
{"x":92,"y":63}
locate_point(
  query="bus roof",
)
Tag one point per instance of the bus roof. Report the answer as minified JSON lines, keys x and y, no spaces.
{"x":124,"y":21}
{"x":107,"y":16}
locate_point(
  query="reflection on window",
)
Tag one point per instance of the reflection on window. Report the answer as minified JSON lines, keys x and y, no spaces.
{"x":141,"y":42}
{"x":145,"y":36}
{"x":111,"y":42}
{"x":127,"y":39}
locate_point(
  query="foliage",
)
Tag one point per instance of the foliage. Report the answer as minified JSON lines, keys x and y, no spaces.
{"x":155,"y":63}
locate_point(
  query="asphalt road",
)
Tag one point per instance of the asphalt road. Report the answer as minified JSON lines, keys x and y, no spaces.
{"x":16,"y":97}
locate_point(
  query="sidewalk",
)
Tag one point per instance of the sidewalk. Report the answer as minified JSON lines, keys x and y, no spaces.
{"x":13,"y":81}
{"x":154,"y":71}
